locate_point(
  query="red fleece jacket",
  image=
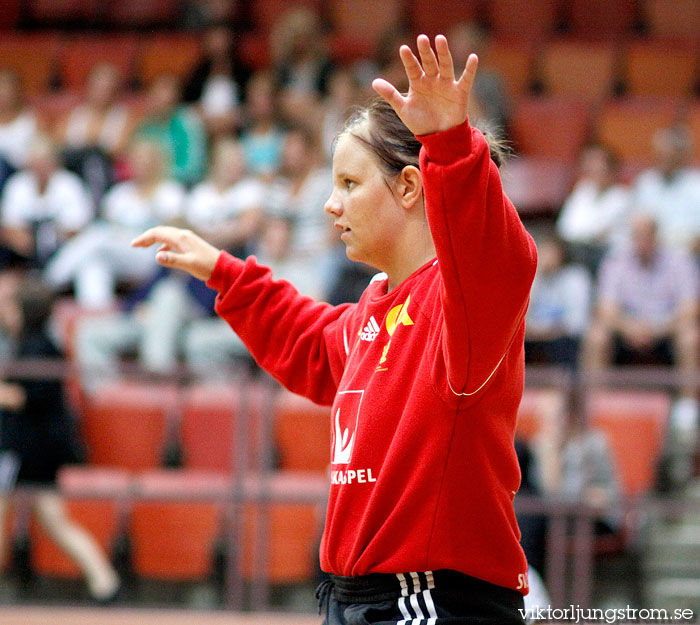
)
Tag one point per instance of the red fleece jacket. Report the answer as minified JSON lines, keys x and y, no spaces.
{"x":424,"y":381}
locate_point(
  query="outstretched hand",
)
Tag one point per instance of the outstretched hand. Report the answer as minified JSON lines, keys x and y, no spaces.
{"x":181,"y":249}
{"x":435,"y":101}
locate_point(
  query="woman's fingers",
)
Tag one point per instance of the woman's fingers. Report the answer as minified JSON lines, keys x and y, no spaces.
{"x":427,"y":56}
{"x":160,"y":234}
{"x":410,"y":62}
{"x":388,"y":92}
{"x":445,"y":63}
{"x":466,"y":80}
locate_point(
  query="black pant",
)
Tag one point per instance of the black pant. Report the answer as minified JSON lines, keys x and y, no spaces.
{"x":438,"y":598}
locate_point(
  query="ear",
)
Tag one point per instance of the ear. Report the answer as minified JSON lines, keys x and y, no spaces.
{"x":409,"y":186}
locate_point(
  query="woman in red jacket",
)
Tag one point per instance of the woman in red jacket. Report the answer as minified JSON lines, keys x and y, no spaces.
{"x":424,"y":373}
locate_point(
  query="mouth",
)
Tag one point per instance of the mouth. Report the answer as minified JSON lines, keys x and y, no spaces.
{"x":343,"y":229}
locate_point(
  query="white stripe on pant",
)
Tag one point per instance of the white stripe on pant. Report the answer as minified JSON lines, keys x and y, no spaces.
{"x":413,"y":599}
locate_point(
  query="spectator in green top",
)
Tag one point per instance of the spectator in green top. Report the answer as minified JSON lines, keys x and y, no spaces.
{"x":178,"y":127}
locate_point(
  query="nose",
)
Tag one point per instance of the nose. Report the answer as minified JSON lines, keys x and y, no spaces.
{"x":333,"y":206}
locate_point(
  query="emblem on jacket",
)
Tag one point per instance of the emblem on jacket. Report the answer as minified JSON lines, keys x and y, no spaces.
{"x":345,"y":418}
{"x":398,"y":316}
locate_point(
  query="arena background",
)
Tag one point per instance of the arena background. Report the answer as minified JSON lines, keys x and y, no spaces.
{"x":209,"y":496}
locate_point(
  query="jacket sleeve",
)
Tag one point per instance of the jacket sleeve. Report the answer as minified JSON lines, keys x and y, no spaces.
{"x":297,"y":340}
{"x":486,"y":257}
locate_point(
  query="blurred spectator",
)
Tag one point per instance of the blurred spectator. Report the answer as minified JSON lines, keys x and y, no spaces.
{"x":300,"y":193}
{"x":101,"y":255}
{"x":592,"y":218}
{"x":559,"y":307}
{"x":18,"y":127}
{"x":262,"y":137}
{"x":226,"y":208}
{"x":43,"y":205}
{"x":389,"y":65}
{"x":179,"y":129}
{"x":215,"y":83}
{"x":302,"y":68}
{"x":97,"y":130}
{"x":198,"y":14}
{"x":343,"y":93}
{"x":647,"y":309}
{"x":210,"y":345}
{"x":488,"y":102}
{"x":39,"y":436}
{"x":670,"y":191}
{"x":575,"y":463}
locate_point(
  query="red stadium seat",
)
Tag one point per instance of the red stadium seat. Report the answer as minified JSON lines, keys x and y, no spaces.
{"x":602,"y":19}
{"x":32,"y":57}
{"x":280,"y":537}
{"x":207,"y":429}
{"x":139,"y":14}
{"x":513,"y":61}
{"x":427,"y":18}
{"x":93,"y":499}
{"x":266,"y":13}
{"x":524,"y":20}
{"x":126,"y":424}
{"x":627,"y":125}
{"x":579,"y":70}
{"x":661,"y":69}
{"x":365,"y":20}
{"x":54,"y":12}
{"x":677,"y":19}
{"x":82,"y":54}
{"x":174,"y":54}
{"x":539,"y":408}
{"x":554,"y":128}
{"x":634,"y":424}
{"x":173,"y":529}
{"x":9,"y":17}
{"x":302,"y":433}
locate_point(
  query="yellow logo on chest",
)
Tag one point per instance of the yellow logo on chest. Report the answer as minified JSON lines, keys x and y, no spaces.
{"x":398,"y":316}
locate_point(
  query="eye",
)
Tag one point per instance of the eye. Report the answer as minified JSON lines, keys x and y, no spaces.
{"x":348,"y":183}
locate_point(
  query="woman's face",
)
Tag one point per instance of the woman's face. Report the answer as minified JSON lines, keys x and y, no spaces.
{"x":362,"y":204}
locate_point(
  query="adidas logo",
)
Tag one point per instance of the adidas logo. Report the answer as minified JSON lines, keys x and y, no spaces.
{"x":371,"y":330}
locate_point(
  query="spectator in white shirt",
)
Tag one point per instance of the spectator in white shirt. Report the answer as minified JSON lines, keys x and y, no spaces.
{"x":226,"y":207}
{"x":670,"y":191}
{"x":592,"y":218}
{"x":101,"y":255}
{"x":43,"y":205}
{"x":559,"y":307}
{"x":18,"y":127}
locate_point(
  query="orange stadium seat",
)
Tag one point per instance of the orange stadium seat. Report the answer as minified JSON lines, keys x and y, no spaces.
{"x":32,"y":57}
{"x":167,"y":54}
{"x":627,"y":125}
{"x":531,"y":20}
{"x":126,"y":424}
{"x":175,"y":539}
{"x":426,"y":18}
{"x":365,"y":20}
{"x":513,"y":61}
{"x":98,"y":512}
{"x":302,"y":433}
{"x":539,"y":407}
{"x":694,"y":126}
{"x":266,"y":13}
{"x":207,"y":429}
{"x":677,"y":19}
{"x":555,"y":128}
{"x":579,"y":70}
{"x":632,"y":416}
{"x":83,"y":53}
{"x":602,"y":19}
{"x":660,"y":69}
{"x":280,"y":538}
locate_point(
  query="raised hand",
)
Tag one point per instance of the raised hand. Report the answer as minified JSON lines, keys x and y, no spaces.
{"x":435,"y":101}
{"x":181,"y":249}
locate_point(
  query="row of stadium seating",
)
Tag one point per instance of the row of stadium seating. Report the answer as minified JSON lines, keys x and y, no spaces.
{"x":176,"y":521}
{"x":560,"y":67}
{"x":535,"y":19}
